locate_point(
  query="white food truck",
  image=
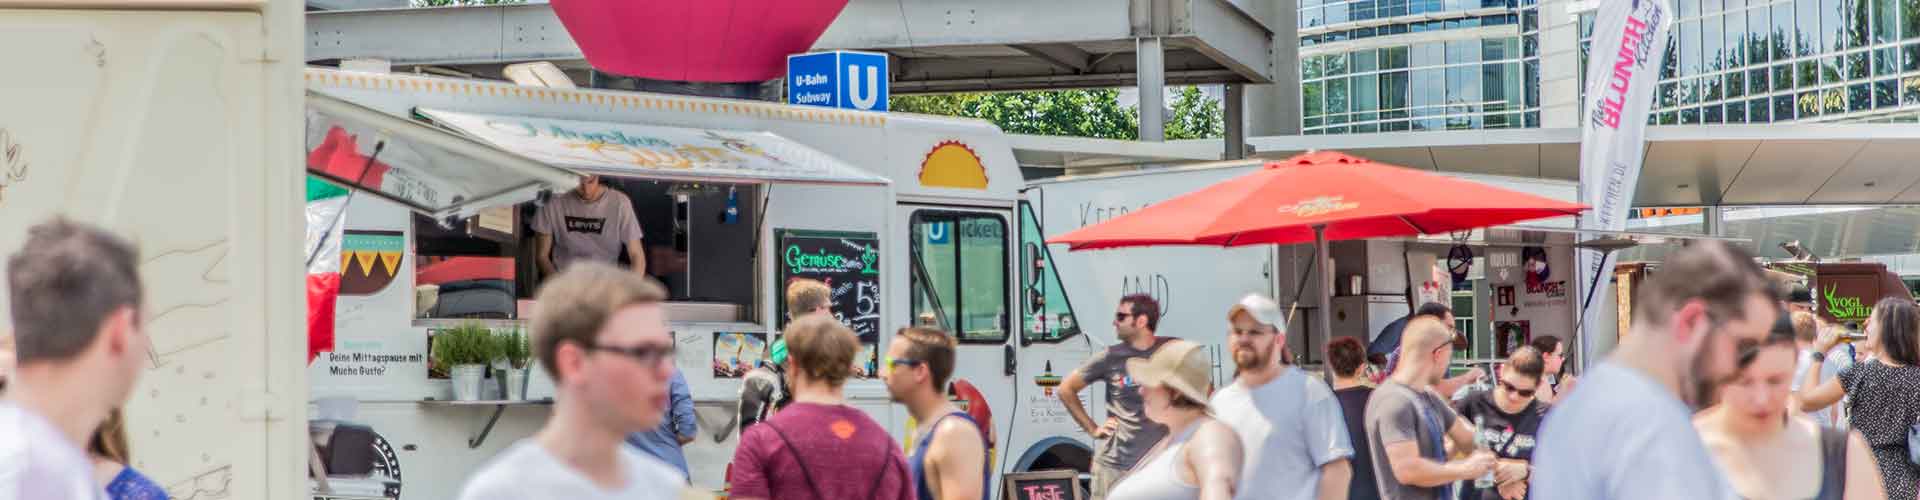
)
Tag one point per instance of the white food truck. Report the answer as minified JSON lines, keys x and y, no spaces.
{"x":904,"y":216}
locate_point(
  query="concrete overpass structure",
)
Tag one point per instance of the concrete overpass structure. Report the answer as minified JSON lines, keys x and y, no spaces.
{"x":935,"y":46}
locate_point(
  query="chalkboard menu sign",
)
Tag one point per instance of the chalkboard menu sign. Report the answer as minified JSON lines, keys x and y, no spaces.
{"x":849,"y":263}
{"x":1062,"y":484}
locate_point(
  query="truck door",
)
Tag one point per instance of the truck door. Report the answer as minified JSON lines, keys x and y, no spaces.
{"x":1043,"y":436}
{"x":960,"y":280}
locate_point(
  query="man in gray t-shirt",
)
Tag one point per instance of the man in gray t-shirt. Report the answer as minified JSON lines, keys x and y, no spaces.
{"x":589,"y":224}
{"x":1127,"y":434}
{"x":1408,"y":424}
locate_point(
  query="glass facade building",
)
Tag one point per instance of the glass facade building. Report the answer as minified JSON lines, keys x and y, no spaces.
{"x":1755,"y":61}
{"x":1393,"y":65}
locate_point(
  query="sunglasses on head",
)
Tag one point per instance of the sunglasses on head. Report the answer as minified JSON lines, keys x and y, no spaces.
{"x":1527,"y":393}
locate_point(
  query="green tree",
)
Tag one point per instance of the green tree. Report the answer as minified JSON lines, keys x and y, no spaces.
{"x":1195,"y":116}
{"x":1092,"y":113}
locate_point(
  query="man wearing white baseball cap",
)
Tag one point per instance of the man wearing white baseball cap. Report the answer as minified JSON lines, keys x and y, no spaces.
{"x":1200,"y":457}
{"x":1290,"y":422}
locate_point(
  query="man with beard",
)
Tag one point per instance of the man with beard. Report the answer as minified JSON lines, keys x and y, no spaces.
{"x":1628,"y":432}
{"x":1127,"y":435}
{"x":1289,"y":422}
{"x":1408,"y":424}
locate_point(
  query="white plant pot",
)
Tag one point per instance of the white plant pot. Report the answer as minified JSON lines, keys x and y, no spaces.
{"x":516,"y":384}
{"x":466,"y":381}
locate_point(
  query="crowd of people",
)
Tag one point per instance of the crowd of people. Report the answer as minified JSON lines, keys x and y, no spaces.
{"x":1724,"y":387}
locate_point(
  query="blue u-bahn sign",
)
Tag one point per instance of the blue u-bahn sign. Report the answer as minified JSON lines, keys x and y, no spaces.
{"x":839,"y":79}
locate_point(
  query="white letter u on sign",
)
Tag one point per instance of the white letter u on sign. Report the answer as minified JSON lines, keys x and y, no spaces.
{"x":872,"y":87}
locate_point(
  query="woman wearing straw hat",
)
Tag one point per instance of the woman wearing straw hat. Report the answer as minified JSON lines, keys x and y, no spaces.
{"x":1200,"y":457}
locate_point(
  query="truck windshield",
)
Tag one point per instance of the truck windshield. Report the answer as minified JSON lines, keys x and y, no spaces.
{"x":960,"y":273}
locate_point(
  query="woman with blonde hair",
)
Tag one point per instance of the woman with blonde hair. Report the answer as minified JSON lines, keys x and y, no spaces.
{"x":111,"y":463}
{"x":1201,"y":458}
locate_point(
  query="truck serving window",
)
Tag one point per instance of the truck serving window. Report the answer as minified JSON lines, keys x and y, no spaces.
{"x":959,"y":273}
{"x":1049,"y":315}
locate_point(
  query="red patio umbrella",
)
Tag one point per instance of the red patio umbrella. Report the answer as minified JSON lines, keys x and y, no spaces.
{"x":1318,"y":196}
{"x":1350,"y":197}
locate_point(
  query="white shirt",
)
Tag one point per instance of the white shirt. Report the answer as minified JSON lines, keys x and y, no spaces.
{"x":527,"y":471}
{"x":1289,"y":427}
{"x":1623,"y":436}
{"x":38,"y":463}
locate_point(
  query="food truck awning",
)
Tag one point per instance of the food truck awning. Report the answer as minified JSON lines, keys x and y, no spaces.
{"x":430,"y":171}
{"x":653,"y":151}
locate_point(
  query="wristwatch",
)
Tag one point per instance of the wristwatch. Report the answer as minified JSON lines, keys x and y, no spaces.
{"x":1818,"y":356}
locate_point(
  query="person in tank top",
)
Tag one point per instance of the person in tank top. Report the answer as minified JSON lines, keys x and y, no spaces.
{"x":949,"y":459}
{"x":1201,"y":458}
{"x":1767,"y":451}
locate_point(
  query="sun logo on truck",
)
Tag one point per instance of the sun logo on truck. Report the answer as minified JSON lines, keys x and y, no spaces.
{"x":952,"y":164}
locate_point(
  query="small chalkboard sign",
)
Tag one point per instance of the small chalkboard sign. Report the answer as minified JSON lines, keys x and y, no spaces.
{"x":849,"y":263}
{"x":1058,"y":484}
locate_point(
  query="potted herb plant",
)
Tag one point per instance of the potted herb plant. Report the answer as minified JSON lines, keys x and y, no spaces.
{"x":467,"y":350}
{"x":513,"y":347}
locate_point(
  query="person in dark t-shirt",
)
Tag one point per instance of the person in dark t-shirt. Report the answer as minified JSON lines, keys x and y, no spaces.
{"x":1347,"y":358}
{"x":1509,"y":419}
{"x":1127,"y":434}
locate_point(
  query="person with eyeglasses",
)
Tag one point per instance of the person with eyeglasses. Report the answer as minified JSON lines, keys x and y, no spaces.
{"x":602,"y":336}
{"x":1509,"y":422}
{"x":819,"y":447}
{"x":1127,"y":433}
{"x":949,"y":458}
{"x":1627,"y":432}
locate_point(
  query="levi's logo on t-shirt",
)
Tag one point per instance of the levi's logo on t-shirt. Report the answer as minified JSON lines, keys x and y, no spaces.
{"x":586,"y":224}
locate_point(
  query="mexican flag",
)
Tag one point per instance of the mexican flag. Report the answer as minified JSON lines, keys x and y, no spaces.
{"x":325,"y":202}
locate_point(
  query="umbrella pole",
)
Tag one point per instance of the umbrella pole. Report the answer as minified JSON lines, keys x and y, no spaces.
{"x":1320,"y":255}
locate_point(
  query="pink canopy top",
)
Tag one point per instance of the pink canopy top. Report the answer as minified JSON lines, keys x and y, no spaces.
{"x":695,"y":40}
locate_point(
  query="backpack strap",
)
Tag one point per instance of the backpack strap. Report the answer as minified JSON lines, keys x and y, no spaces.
{"x":1833,"y":463}
{"x":804,"y":471}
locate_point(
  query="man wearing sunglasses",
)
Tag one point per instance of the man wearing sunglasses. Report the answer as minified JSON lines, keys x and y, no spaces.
{"x":602,"y":335}
{"x":1128,"y":434}
{"x":949,"y":449}
{"x":1509,"y":419}
{"x":1627,"y":430}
